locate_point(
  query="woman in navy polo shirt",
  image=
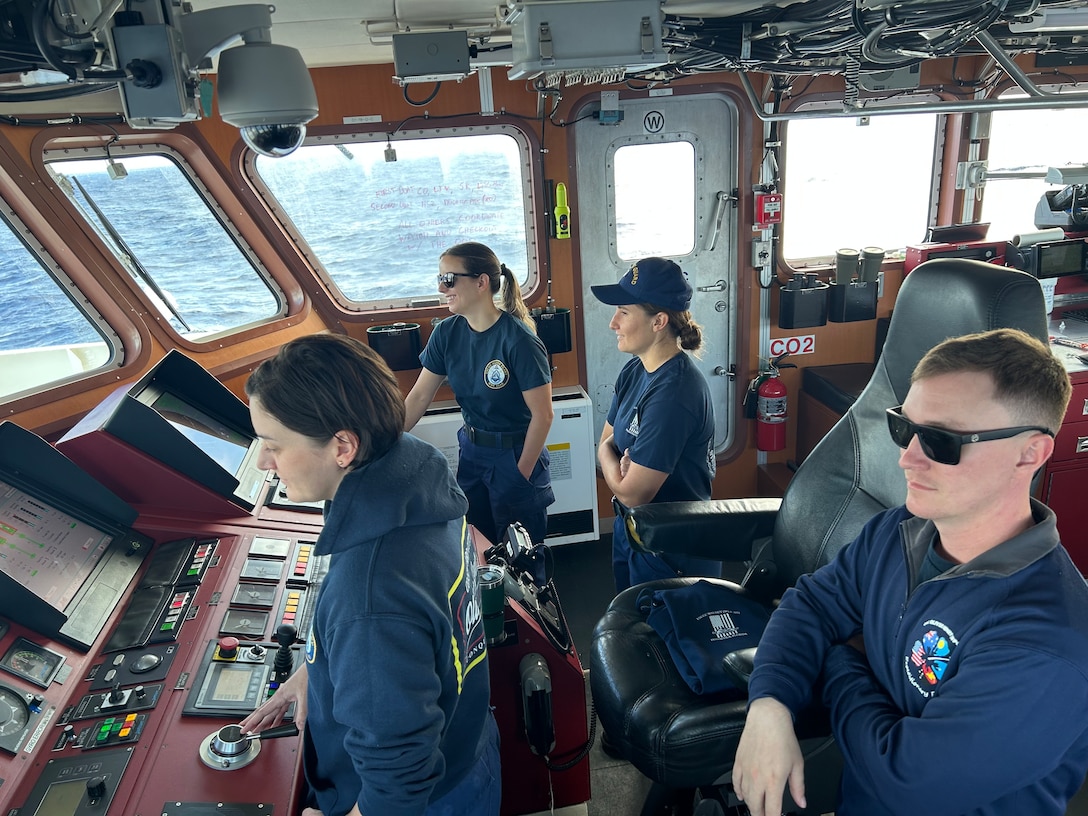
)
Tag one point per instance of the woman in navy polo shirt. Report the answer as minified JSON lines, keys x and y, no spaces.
{"x":498,"y":369}
{"x":658,"y":442}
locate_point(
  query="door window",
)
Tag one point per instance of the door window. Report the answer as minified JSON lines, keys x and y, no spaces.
{"x":655,"y":199}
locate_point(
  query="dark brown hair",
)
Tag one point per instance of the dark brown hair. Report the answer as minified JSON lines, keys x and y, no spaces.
{"x":326,"y":383}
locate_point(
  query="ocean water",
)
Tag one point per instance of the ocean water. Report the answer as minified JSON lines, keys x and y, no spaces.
{"x":377,"y":228}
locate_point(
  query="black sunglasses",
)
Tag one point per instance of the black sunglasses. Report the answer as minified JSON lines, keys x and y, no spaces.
{"x":448,"y":279}
{"x":944,"y":446}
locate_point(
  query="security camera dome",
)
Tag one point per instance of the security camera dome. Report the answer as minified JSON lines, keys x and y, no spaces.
{"x":266,"y":92}
{"x":274,"y":140}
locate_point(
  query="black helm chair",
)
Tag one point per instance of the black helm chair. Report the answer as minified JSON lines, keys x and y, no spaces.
{"x":681,"y":740}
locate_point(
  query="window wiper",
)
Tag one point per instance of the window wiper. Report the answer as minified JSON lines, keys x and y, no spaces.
{"x":133,"y":261}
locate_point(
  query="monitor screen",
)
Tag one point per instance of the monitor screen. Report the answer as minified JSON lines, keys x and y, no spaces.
{"x":226,"y":446}
{"x":46,"y":550}
{"x":1060,"y":258}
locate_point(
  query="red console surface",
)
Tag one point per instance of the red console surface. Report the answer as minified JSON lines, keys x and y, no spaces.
{"x":150,"y":758}
{"x":533,"y":783}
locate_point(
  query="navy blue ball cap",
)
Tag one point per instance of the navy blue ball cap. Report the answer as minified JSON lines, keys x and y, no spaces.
{"x":657,"y":281}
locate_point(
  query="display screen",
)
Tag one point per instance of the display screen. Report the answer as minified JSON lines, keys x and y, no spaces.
{"x":62,"y":798}
{"x":46,"y":550}
{"x":225,"y":445}
{"x":232,"y":684}
{"x":1061,"y":258}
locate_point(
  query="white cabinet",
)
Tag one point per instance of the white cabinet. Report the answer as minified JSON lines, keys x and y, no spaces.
{"x":573,"y":517}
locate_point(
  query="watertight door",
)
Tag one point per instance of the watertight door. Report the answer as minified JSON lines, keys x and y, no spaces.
{"x":660,"y":182}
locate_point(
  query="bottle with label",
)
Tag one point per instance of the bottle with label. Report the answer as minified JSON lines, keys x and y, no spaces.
{"x":562,"y":212}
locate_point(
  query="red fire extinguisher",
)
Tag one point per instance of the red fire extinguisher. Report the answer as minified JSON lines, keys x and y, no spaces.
{"x":771,"y":408}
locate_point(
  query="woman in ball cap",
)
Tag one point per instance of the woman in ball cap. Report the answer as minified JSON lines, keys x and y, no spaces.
{"x":658,"y":441}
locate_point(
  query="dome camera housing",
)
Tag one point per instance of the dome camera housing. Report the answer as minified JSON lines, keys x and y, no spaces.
{"x":274,"y":140}
{"x":266,"y":91}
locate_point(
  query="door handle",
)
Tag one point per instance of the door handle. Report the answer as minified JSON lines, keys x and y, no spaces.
{"x":720,"y":201}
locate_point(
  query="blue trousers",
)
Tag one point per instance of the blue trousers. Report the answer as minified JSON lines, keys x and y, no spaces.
{"x":478,"y":794}
{"x":631,"y":567}
{"x":499,"y":495}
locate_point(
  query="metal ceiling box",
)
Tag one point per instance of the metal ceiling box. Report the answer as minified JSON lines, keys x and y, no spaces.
{"x":551,"y":36}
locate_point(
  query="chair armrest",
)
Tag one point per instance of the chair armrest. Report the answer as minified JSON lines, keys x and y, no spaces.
{"x":738,"y":666}
{"x":722,"y":529}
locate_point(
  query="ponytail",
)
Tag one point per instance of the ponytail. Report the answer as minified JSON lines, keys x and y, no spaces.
{"x":512,"y":301}
{"x":689,"y":334}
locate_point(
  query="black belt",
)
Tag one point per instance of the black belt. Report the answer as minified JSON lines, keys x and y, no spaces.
{"x":488,"y":439}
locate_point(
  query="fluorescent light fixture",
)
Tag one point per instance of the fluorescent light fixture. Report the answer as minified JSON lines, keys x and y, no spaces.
{"x":1051,"y":20}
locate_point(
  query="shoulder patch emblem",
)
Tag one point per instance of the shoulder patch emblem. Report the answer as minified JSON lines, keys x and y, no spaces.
{"x":928,"y":658}
{"x":311,"y":647}
{"x":496,"y":374}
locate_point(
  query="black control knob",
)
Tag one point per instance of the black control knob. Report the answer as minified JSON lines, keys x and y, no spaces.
{"x":284,"y":662}
{"x":285,"y":635}
{"x":140,"y":692}
{"x":69,"y":732}
{"x":96,"y":787}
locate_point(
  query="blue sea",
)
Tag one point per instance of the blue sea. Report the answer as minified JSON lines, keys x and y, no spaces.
{"x":377,"y":227}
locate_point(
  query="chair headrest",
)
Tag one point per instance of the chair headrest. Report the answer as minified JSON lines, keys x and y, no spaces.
{"x":853,"y":473}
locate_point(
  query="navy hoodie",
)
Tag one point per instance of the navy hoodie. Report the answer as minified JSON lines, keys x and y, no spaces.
{"x":396,"y":661}
{"x":973,"y":695}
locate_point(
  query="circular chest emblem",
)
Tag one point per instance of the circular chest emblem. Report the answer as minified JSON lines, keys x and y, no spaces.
{"x":311,"y":647}
{"x":495,"y":374}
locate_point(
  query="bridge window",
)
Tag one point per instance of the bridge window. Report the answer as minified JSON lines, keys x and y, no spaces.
{"x":373,"y":215}
{"x":160,"y":224}
{"x":44,"y":337}
{"x":1023,"y":144}
{"x":851,"y":185}
{"x":655,"y":199}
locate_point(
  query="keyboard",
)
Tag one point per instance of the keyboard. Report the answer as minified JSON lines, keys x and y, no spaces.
{"x":1075,"y":314}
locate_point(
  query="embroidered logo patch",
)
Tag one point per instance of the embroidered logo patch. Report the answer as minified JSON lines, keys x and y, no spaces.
{"x":928,"y":658}
{"x":632,"y":427}
{"x":311,"y":647}
{"x":495,"y":374}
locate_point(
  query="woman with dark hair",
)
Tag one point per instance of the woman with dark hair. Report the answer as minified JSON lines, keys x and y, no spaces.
{"x":498,"y":369}
{"x":658,"y":442}
{"x":394,"y":692}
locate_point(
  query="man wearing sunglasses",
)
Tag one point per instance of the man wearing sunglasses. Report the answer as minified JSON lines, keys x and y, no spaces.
{"x":949,"y":641}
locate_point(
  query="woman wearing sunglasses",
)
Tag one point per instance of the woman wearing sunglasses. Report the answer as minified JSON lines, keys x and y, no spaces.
{"x":499,"y":372}
{"x":658,"y":441}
